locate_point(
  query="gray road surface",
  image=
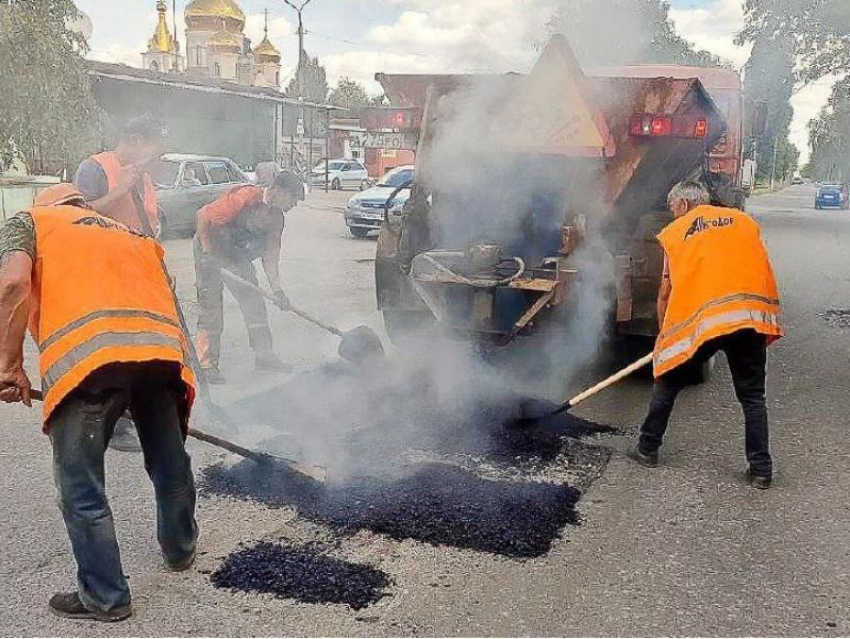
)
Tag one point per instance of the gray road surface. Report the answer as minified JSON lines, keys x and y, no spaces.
{"x":685,"y":549}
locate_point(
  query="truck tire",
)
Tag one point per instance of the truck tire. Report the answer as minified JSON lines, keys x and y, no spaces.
{"x":336,"y":185}
{"x":705,"y":372}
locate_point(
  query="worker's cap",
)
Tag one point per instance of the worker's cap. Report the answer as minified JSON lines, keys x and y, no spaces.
{"x":289,"y":181}
{"x":266,"y":173}
{"x":146,"y":127}
{"x":59,"y":194}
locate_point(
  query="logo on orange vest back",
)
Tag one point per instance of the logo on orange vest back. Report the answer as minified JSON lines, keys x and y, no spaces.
{"x":106,"y":223}
{"x":700,"y":224}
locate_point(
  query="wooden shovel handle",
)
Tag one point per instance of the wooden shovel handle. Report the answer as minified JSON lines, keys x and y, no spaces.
{"x":616,"y":377}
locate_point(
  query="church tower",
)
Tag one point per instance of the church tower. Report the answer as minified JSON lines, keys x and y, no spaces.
{"x":163,"y":54}
{"x":215,"y":42}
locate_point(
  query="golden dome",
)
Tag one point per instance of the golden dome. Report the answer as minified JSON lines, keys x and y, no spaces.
{"x":161,"y":40}
{"x":266,"y":51}
{"x":225,"y":40}
{"x":200,"y":13}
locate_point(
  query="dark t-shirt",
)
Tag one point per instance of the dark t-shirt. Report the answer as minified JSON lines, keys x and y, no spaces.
{"x":91,"y":180}
{"x":18,"y":234}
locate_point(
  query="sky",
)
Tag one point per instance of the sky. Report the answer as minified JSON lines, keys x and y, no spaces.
{"x":357,"y":38}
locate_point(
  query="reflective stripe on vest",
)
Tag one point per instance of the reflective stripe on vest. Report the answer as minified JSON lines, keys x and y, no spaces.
{"x":737,"y":297}
{"x":78,"y":354}
{"x":732,"y":317}
{"x":52,"y":339}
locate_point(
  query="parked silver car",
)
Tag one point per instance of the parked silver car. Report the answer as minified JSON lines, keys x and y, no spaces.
{"x":185,"y":183}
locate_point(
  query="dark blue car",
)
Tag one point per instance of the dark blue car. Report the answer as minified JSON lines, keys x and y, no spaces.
{"x":832,"y":195}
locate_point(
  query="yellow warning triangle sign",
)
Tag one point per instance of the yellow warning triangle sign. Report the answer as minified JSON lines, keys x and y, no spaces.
{"x":551,"y":110}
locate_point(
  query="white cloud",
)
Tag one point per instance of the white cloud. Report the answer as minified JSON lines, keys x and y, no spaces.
{"x":279,"y":28}
{"x":713,"y":28}
{"x":121,"y":54}
{"x":807,"y":103}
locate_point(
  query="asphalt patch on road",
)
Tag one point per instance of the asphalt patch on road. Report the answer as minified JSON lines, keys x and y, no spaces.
{"x":435,"y":504}
{"x":837,"y":317}
{"x":305,"y":574}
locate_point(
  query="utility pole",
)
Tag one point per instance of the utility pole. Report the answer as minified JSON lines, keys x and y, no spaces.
{"x":773,"y":168}
{"x":302,"y":55}
{"x":176,"y":41}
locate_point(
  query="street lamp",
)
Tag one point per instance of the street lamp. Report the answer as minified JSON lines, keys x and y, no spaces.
{"x":299,"y":79}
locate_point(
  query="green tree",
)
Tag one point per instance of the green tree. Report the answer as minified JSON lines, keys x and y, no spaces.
{"x":350,"y":95}
{"x":314,"y":79}
{"x":829,"y":137}
{"x":769,"y":79}
{"x":48,"y":116}
{"x":820,"y":29}
{"x":616,"y":32}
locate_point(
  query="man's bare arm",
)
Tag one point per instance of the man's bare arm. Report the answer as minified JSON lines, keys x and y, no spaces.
{"x":130,"y":176}
{"x":271,"y":255}
{"x":15,"y":301}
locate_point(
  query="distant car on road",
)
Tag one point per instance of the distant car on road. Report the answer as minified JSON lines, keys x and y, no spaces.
{"x":832,"y":195}
{"x":797,"y":180}
{"x":365,"y":211}
{"x":185,"y":183}
{"x":341,"y":174}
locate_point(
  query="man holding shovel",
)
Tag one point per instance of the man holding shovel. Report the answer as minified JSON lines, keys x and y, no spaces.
{"x":245,"y":224}
{"x":99,"y":306}
{"x":116,"y":184}
{"x":718,"y":293}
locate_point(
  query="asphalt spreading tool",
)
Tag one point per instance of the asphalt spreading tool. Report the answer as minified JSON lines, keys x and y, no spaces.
{"x":535,"y":411}
{"x":316,"y":473}
{"x":358,"y":346}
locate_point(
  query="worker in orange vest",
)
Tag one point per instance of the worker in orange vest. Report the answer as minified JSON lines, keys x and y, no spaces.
{"x":243,"y":225}
{"x":99,"y":306}
{"x":117,"y":183}
{"x":718,"y":293}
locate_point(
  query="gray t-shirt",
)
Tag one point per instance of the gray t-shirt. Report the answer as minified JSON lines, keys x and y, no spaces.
{"x":91,"y":180}
{"x":18,"y":234}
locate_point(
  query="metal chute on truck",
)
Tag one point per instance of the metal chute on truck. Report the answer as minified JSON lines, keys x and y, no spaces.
{"x":600,"y":154}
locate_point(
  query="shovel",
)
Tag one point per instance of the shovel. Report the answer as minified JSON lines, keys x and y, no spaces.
{"x":532,"y":412}
{"x":316,"y":473}
{"x":358,"y":345}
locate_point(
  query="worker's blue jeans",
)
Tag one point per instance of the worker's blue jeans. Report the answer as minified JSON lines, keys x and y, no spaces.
{"x":80,"y":429}
{"x":746,"y":352}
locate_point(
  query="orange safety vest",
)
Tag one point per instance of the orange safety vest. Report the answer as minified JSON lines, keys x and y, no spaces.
{"x":125,"y":210}
{"x":722,"y":282}
{"x":101,"y":296}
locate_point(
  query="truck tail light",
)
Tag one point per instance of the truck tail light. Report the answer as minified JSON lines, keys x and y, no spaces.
{"x":645,"y":125}
{"x":650,"y":126}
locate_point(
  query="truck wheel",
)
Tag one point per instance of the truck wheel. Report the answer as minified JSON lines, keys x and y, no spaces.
{"x":336,"y":185}
{"x":357,"y":232}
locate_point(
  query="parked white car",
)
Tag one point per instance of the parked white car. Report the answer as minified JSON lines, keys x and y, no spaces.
{"x":365,"y":211}
{"x":341,"y":174}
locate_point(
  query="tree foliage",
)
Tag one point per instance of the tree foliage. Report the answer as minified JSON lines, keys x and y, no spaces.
{"x":829,"y":137}
{"x":48,"y":116}
{"x":314,"y":79}
{"x":616,"y":32}
{"x":350,"y":95}
{"x":769,"y":79}
{"x":820,"y":30}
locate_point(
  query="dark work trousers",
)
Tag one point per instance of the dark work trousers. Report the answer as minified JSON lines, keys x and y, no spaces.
{"x":210,"y":287}
{"x":80,"y":429}
{"x":746,"y":351}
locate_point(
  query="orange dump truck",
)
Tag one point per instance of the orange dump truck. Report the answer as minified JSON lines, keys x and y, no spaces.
{"x":576,"y":191}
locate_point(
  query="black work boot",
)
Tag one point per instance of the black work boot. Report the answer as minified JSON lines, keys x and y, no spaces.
{"x":645,"y":459}
{"x":180,"y":566}
{"x":69,"y":606}
{"x":271,"y":362}
{"x":762,"y":482}
{"x":213,"y":376}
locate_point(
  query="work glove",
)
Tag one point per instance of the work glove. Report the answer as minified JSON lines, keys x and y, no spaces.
{"x":281,"y":300}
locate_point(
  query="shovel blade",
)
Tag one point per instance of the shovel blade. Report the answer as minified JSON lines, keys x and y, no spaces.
{"x":360,"y":345}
